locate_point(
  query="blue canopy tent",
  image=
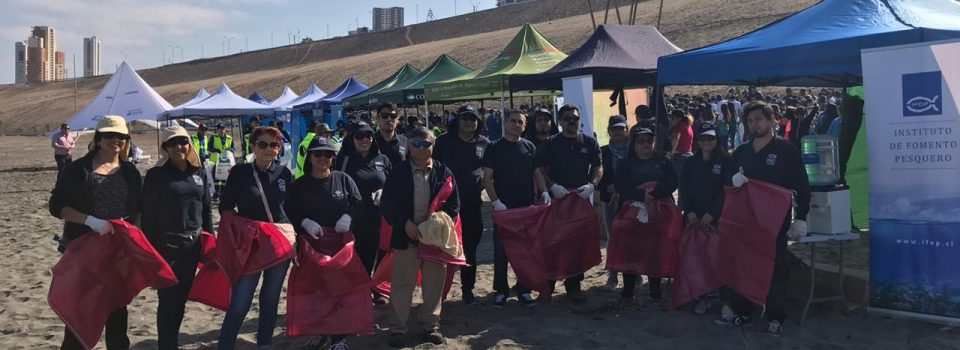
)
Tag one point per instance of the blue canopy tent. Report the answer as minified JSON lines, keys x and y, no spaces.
{"x":258,"y":98}
{"x":312,"y":109}
{"x":819,"y":46}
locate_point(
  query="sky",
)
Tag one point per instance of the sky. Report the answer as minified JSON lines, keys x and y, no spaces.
{"x":148,"y":32}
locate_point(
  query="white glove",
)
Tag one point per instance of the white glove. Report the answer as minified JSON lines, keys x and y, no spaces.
{"x":312,"y":227}
{"x":642,"y":215}
{"x":797,"y":230}
{"x":498,"y":205}
{"x":545,"y":197}
{"x":558,"y":191}
{"x":343,"y":225}
{"x":585,"y":191}
{"x":101,"y":226}
{"x":739,"y":179}
{"x":375,"y":197}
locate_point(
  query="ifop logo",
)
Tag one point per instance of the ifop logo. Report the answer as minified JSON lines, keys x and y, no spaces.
{"x":922,"y":94}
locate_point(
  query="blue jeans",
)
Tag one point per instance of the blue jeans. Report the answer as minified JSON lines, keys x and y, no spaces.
{"x":240,"y":302}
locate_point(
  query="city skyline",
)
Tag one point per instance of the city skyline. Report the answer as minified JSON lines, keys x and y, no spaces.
{"x":148,"y":34}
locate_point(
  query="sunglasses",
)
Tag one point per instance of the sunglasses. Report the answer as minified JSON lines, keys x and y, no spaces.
{"x":388,"y":116}
{"x":177,"y":141}
{"x":468,"y":118}
{"x":571,"y":119}
{"x":264,"y":145}
{"x":708,"y":138}
{"x":115,"y":136}
{"x":645,"y":141}
{"x":421,"y":144}
{"x":322,"y":154}
{"x":363,"y":136}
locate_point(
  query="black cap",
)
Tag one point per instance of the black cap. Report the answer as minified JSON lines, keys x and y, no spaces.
{"x":467,"y":110}
{"x":321,"y":144}
{"x":707,"y":128}
{"x":361,"y":128}
{"x":617,"y":121}
{"x":644,"y":131}
{"x":542,"y":111}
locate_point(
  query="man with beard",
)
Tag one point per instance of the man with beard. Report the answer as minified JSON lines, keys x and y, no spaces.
{"x":391,"y":143}
{"x":461,"y":149}
{"x":543,"y":127}
{"x":771,"y":159}
{"x":571,"y":160}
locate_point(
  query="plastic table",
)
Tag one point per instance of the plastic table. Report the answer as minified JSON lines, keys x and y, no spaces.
{"x":812,"y":240}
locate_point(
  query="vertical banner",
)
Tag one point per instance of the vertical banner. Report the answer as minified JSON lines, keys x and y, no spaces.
{"x":913,"y":135}
{"x":579,"y":91}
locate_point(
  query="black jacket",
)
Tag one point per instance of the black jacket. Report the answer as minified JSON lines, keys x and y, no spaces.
{"x":779,"y":163}
{"x":74,"y":189}
{"x":175,"y":205}
{"x":633,"y":172}
{"x":397,"y":199}
{"x":701,"y":184}
{"x":609,"y":171}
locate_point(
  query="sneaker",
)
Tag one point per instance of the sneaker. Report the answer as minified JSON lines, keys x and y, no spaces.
{"x":732,"y":320}
{"x":433,"y":336}
{"x":701,"y":307}
{"x":340,"y":345}
{"x":380,"y":299}
{"x":527,"y":300}
{"x":775,"y":328}
{"x":577,"y":297}
{"x":397,"y":340}
{"x":316,"y":343}
{"x":499,"y":300}
{"x":612,"y":282}
{"x":469,"y":298}
{"x":726,"y":311}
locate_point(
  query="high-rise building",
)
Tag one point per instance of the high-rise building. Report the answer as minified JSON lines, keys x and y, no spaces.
{"x":60,"y":66}
{"x":91,"y":56}
{"x":36,"y":60}
{"x":20,"y":62}
{"x":387,"y":18}
{"x":510,"y":2}
{"x":49,"y":44}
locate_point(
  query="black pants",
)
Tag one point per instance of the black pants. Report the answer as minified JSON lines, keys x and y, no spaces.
{"x":62,"y":161}
{"x":173,"y":299}
{"x":472,"y":224}
{"x":115,"y":339}
{"x":500,"y":283}
{"x":367,"y":234}
{"x":630,"y":281}
{"x":776,"y":297}
{"x":571,"y":284}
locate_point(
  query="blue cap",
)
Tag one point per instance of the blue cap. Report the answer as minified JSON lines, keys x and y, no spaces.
{"x":707,"y":128}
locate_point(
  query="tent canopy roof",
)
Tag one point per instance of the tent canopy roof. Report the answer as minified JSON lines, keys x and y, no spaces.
{"x":349,"y":88}
{"x":284,"y":98}
{"x":313,"y":93}
{"x":411,"y":91}
{"x":202,"y":94}
{"x":126,"y":95}
{"x":401,"y":76}
{"x":222,"y":103}
{"x":258,"y":98}
{"x":528,"y":53}
{"x":616,"y":56}
{"x":819,"y":46}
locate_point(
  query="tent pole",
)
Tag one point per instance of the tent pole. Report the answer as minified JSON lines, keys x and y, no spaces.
{"x":660,"y":14}
{"x":511,"y":99}
{"x":606,"y":13}
{"x":426,"y":109}
{"x":592,"y":19}
{"x":616,"y":4}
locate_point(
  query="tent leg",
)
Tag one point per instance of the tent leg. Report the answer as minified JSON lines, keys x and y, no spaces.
{"x":426,"y":109}
{"x":511,"y":99}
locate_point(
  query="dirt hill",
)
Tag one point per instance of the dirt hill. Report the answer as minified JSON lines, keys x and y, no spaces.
{"x":472,"y":39}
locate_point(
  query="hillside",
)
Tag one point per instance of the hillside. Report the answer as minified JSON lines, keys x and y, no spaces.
{"x":472,"y":39}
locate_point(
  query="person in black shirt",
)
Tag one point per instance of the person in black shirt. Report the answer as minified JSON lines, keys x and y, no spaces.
{"x":389,"y":141}
{"x":701,"y":185}
{"x":98,"y":187}
{"x":360,"y":158}
{"x":611,"y":155}
{"x":771,"y":159}
{"x":323,"y":197}
{"x":541,"y":128}
{"x":461,"y":149}
{"x":571,"y":160}
{"x":176,"y":207}
{"x":512,"y":180}
{"x":241,"y":194}
{"x":644,"y":165}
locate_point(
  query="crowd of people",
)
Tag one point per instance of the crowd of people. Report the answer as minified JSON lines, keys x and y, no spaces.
{"x":374,"y":171}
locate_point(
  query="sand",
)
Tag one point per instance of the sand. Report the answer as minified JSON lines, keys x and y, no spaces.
{"x":26,"y":321}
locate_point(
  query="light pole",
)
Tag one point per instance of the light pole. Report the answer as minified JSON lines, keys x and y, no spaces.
{"x":201,"y":51}
{"x":228,"y":39}
{"x":418,"y":13}
{"x":172,"y":58}
{"x":271,"y":40}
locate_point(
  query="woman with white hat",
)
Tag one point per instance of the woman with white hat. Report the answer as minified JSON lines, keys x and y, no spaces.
{"x":99,"y":187}
{"x":176,"y":208}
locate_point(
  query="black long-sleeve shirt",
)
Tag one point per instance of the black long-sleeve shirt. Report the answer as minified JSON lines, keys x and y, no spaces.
{"x":75,"y":189}
{"x":369,"y":173}
{"x":395,"y":149}
{"x":701,"y":184}
{"x":175,"y":204}
{"x":323,"y":200}
{"x":464,"y":159}
{"x":241,"y":193}
{"x":633,"y":172}
{"x":779,"y":163}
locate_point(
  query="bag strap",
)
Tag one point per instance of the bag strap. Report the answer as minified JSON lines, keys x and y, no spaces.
{"x":263,"y":196}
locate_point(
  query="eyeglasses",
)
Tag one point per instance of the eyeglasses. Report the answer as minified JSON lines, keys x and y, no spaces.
{"x":420,"y":143}
{"x":363,"y":136}
{"x":177,"y":141}
{"x":388,"y":116}
{"x":264,"y":145}
{"x":322,"y":154}
{"x":115,"y":136}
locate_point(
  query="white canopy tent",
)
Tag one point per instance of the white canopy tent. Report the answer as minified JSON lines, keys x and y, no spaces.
{"x":202,"y":94}
{"x":287,"y":96}
{"x":223,"y":103}
{"x":313,"y":93}
{"x":126,"y":95}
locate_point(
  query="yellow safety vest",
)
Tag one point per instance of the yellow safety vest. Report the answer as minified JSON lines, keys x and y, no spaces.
{"x":200,"y":146}
{"x":302,"y":153}
{"x":219,"y":144}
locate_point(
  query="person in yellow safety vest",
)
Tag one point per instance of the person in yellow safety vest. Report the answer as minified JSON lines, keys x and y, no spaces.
{"x":302,"y":149}
{"x":200,"y":142}
{"x":219,"y":142}
{"x":247,"y":147}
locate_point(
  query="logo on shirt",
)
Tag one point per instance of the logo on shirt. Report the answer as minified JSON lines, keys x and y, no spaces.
{"x":282,"y":185}
{"x":921,"y":94}
{"x":378,"y":166}
{"x":338,"y":194}
{"x":717,"y":168}
{"x":771,"y":159}
{"x":583,"y":150}
{"x":197,"y":180}
{"x":403,"y":149}
{"x":479,"y":151}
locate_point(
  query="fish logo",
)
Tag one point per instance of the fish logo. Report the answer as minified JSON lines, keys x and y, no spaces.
{"x":922,"y":94}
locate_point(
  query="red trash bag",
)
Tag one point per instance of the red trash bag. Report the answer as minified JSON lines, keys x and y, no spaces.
{"x":211,"y":286}
{"x":382,"y":274}
{"x":246,"y":246}
{"x":570,"y":238}
{"x":519,"y":230}
{"x":749,"y":225}
{"x":697,"y":265}
{"x":328,"y":292}
{"x":645,"y":248}
{"x":98,"y":275}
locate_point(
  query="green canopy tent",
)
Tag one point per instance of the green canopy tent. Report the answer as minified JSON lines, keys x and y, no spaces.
{"x":403,"y":74}
{"x":410,"y":93}
{"x":528,"y":53}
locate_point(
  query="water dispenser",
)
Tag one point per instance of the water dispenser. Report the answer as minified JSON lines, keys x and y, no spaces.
{"x":821,"y":159}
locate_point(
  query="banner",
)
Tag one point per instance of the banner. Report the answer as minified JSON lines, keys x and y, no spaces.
{"x":578,"y":91}
{"x":911,"y":95}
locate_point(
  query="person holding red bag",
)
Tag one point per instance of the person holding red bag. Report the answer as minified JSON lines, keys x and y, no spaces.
{"x":323,"y":197}
{"x":644,"y":165}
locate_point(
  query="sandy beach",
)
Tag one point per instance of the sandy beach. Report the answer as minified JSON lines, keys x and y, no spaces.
{"x":27,"y":175}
